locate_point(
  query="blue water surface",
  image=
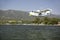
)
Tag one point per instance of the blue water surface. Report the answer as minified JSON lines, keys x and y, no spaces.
{"x":29,"y":32}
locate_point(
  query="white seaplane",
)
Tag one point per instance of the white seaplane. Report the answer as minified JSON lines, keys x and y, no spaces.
{"x":40,"y":12}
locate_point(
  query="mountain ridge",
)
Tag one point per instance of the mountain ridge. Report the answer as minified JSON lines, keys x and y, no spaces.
{"x":18,"y":14}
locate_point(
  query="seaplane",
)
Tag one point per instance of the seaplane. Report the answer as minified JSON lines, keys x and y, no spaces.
{"x":44,"y":12}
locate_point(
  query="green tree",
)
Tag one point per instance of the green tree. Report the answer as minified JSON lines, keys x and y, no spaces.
{"x":45,"y":20}
{"x":37,"y":20}
{"x":54,"y":21}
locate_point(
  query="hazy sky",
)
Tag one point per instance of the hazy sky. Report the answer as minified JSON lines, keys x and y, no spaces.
{"x":29,"y":5}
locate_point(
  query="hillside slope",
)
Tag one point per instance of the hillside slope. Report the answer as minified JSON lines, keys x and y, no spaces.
{"x":16,"y":14}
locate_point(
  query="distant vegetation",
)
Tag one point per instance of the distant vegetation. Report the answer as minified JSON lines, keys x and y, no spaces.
{"x":37,"y":20}
{"x":46,"y":20}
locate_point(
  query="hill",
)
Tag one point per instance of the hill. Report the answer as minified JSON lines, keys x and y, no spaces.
{"x":16,"y":14}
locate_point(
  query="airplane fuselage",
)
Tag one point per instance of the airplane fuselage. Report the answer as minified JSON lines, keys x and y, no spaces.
{"x":40,"y":13}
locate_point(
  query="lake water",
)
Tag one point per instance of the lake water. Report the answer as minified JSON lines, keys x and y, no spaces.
{"x":29,"y":32}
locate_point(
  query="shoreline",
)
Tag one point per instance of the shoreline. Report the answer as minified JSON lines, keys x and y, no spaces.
{"x":32,"y":24}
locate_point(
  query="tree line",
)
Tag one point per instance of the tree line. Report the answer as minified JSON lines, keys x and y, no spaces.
{"x":36,"y":20}
{"x":46,"y":20}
